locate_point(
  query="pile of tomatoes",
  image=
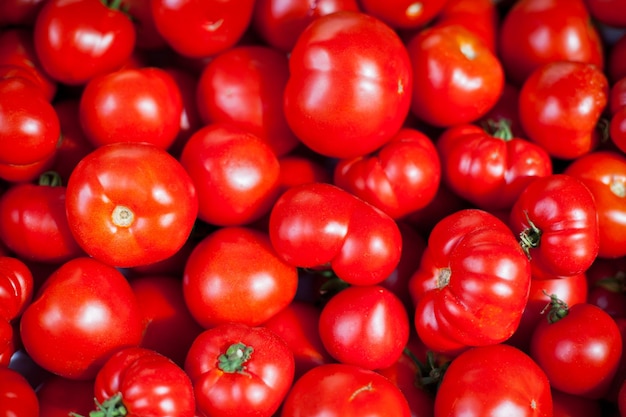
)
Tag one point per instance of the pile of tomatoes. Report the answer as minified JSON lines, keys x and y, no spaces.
{"x":281,"y":208}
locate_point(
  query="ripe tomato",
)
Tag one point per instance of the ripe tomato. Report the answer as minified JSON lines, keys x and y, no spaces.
{"x":239,"y":370}
{"x":84,"y":312}
{"x":472,"y":285}
{"x":7,"y":342}
{"x":59,"y":396}
{"x":403,"y":14}
{"x":456,"y":77}
{"x":568,"y":405}
{"x":608,"y":12}
{"x":138,"y":381}
{"x":350,"y":85}
{"x":494,"y":380}
{"x":234,"y":275}
{"x":478,"y":16}
{"x":16,"y":287}
{"x":123,"y":198}
{"x":17,"y":397}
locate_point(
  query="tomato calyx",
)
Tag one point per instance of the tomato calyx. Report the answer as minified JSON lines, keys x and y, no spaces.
{"x":430,"y":374}
{"x":111,"y":407}
{"x":500,"y":129}
{"x":122,"y":216}
{"x":234,"y":359}
{"x":50,"y":179}
{"x":529,"y":237}
{"x":556,"y":308}
{"x":615,"y":283}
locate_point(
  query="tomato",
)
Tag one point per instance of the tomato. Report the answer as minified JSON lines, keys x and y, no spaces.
{"x":7,"y":342}
{"x":201,"y":28}
{"x":490,"y":170}
{"x":456,"y":77}
{"x":607,"y":285}
{"x":19,"y":12}
{"x":320,"y":225}
{"x":622,"y":399}
{"x":557,"y":223}
{"x":568,"y":405}
{"x":403,"y":14}
{"x":478,"y":16}
{"x":59,"y":396}
{"x":131,"y":105}
{"x":493,"y":380}
{"x":77,"y":40}
{"x":147,"y":37}
{"x":17,"y":397}
{"x":123,"y":198}
{"x":604,"y":174}
{"x":560,"y":105}
{"x":341,"y":390}
{"x":16,"y":287}
{"x":298,"y":169}
{"x":138,"y":381}
{"x":84,"y":312}
{"x":536,"y":32}
{"x":616,"y":66}
{"x":579,"y":348}
{"x":608,"y":12}
{"x":239,"y":370}
{"x":403,"y":175}
{"x":472,"y":284}
{"x":349,"y":87}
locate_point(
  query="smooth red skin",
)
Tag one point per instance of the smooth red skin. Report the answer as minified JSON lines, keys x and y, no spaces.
{"x":19,"y":12}
{"x":131,"y":105}
{"x":343,"y":100}
{"x":235,"y":173}
{"x":144,"y":178}
{"x":487,"y":380}
{"x":579,"y":353}
{"x":616,"y":64}
{"x":617,"y":129}
{"x":243,"y":86}
{"x":30,"y":129}
{"x":33,"y":223}
{"x":488,"y":171}
{"x":7,"y":342}
{"x":17,"y":397}
{"x":300,"y":169}
{"x":77,"y":40}
{"x":259,"y":390}
{"x":320,"y":225}
{"x":16,"y":287}
{"x":572,"y":290}
{"x":234,"y":275}
{"x":478,"y":16}
{"x":568,"y":405}
{"x":147,"y":37}
{"x":200,"y":28}
{"x":59,"y":396}
{"x":280,"y":22}
{"x":614,"y":303}
{"x":25,"y":173}
{"x":506,"y":108}
{"x":84,"y":312}
{"x":297,"y":325}
{"x":401,"y":177}
{"x":483,"y":301}
{"x":560,"y":105}
{"x":536,"y":32}
{"x":617,"y":96}
{"x":397,"y":15}
{"x":608,"y":12}
{"x":150,"y":384}
{"x":604,"y":174}
{"x":563,"y":209}
{"x":340,"y":390}
{"x":365,"y":326}
{"x":170,"y":328}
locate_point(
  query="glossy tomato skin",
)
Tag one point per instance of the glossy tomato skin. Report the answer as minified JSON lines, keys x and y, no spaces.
{"x":472,"y":285}
{"x":478,"y":16}
{"x":336,"y":390}
{"x":59,"y":396}
{"x":403,"y":14}
{"x":83,"y":313}
{"x":123,"y":198}
{"x":488,"y":379}
{"x":560,"y":104}
{"x":77,"y":40}
{"x":17,"y":397}
{"x":350,"y":84}
{"x":239,"y":370}
{"x":403,"y":175}
{"x":579,"y":352}
{"x":443,"y":60}
{"x":148,"y":382}
{"x":235,"y":275}
{"x":200,"y":28}
{"x":16,"y":287}
{"x":131,"y":105}
{"x":608,"y":12}
{"x":318,"y":225}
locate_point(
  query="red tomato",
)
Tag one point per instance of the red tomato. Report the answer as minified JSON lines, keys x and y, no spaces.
{"x":74,"y":335}
{"x":239,"y":370}
{"x":7,"y":342}
{"x":403,"y":176}
{"x":300,"y":169}
{"x":472,"y":285}
{"x":456,"y":77}
{"x":403,"y":14}
{"x":137,"y":381}
{"x":340,"y":390}
{"x":616,"y":64}
{"x":147,"y":36}
{"x":607,"y":285}
{"x":568,"y":405}
{"x":19,"y":12}
{"x":350,"y":85}
{"x":494,"y":380}
{"x":77,"y":40}
{"x":235,"y":173}
{"x":608,"y":12}
{"x":17,"y":397}
{"x":478,"y":16}
{"x":579,"y":348}
{"x":16,"y":287}
{"x":124,"y":198}
{"x":319,"y":225}
{"x":557,"y":223}
{"x":59,"y":396}
{"x":201,"y":28}
{"x":131,"y":105}
{"x":536,"y":32}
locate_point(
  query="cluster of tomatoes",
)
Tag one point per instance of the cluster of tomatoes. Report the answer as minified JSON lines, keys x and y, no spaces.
{"x":333,"y":208}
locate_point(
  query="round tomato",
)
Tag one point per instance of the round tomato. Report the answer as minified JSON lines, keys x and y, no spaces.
{"x":59,"y":396}
{"x":404,"y":14}
{"x":608,"y":12}
{"x":16,"y":287}
{"x":17,"y":397}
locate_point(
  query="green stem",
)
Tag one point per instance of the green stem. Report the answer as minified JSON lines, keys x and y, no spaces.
{"x":50,"y":179}
{"x":111,"y":407}
{"x":530,"y":237}
{"x":500,"y":129}
{"x":235,"y":358}
{"x":557,"y":308}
